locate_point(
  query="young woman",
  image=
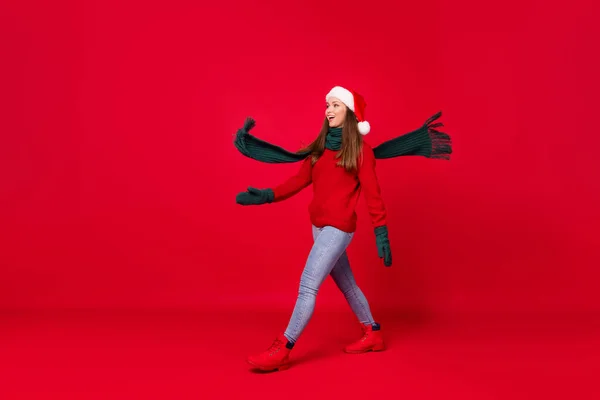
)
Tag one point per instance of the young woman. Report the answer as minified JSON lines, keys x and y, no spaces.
{"x":340,"y":165}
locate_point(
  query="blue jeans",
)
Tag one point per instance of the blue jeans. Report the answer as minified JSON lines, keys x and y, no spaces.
{"x":327,"y":257}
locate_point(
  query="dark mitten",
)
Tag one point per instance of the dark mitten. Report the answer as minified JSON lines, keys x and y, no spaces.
{"x":255,"y":196}
{"x":383,"y":245}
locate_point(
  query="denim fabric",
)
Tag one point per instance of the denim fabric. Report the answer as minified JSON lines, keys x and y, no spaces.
{"x":327,"y":257}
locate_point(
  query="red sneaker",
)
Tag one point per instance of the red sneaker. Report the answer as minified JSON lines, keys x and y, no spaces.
{"x":372,"y":340}
{"x":276,"y":357}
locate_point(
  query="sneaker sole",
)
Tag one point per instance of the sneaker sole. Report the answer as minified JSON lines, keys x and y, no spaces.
{"x":268,"y":369}
{"x":374,"y":349}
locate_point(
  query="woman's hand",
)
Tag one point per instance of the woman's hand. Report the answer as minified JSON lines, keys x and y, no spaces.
{"x":383,"y":245}
{"x":254,"y":196}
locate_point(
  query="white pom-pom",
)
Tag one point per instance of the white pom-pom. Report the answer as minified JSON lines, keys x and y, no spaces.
{"x":364,"y":127}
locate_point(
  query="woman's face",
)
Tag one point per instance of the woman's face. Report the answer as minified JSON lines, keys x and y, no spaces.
{"x":335,"y":112}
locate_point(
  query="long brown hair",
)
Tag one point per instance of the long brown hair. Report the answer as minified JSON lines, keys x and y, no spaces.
{"x":351,"y":143}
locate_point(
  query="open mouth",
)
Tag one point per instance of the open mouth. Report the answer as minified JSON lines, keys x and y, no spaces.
{"x":330,"y":118}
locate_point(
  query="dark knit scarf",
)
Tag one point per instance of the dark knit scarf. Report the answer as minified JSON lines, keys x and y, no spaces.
{"x":333,"y":140}
{"x":425,"y":141}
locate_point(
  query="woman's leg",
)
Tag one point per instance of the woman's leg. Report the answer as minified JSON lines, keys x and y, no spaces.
{"x":344,"y":279}
{"x":329,"y":244}
{"x":372,"y":339}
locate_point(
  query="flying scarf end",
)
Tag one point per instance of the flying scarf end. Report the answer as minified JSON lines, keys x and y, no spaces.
{"x":441,"y":145}
{"x":260,"y":150}
{"x":249,"y":123}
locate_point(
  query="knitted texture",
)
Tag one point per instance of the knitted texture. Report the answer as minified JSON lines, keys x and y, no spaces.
{"x":425,"y":141}
{"x":336,"y":191}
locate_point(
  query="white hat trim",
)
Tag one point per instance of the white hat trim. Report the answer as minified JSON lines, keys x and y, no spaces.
{"x":343,"y":94}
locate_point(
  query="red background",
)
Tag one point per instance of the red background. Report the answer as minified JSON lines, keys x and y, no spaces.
{"x":118,"y":174}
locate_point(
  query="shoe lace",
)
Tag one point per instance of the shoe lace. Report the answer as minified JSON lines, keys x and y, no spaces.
{"x":365,"y":334}
{"x":275,"y":346}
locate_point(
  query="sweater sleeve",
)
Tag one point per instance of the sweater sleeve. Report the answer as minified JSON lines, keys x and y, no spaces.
{"x":370,"y":186}
{"x":296,"y":183}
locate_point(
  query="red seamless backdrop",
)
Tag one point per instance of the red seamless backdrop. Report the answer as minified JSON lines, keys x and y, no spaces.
{"x":118,"y":174}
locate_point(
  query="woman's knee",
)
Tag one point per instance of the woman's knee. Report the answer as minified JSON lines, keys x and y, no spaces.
{"x":308,"y":290}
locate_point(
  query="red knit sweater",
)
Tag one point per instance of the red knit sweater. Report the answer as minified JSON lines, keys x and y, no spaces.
{"x":336,"y":191}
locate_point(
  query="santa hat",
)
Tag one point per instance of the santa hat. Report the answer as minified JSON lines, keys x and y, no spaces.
{"x":353,"y":101}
